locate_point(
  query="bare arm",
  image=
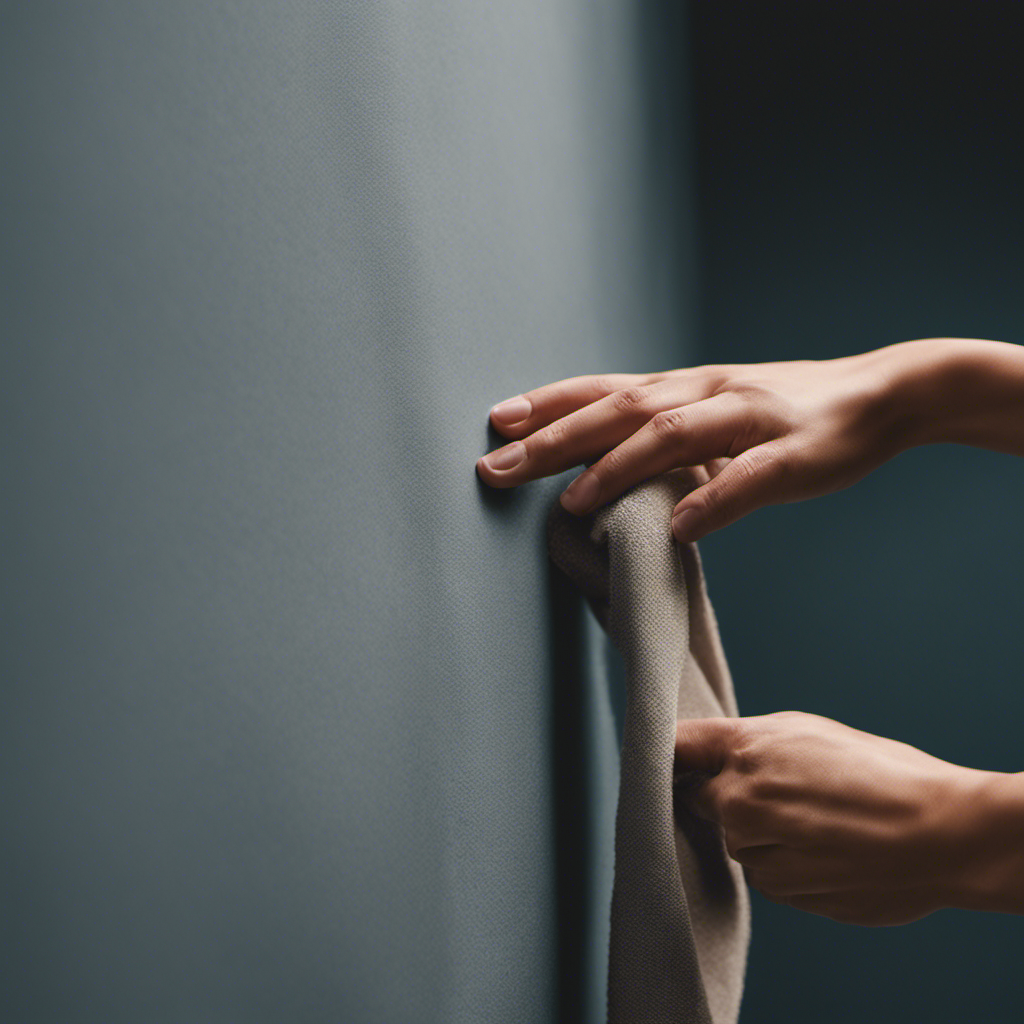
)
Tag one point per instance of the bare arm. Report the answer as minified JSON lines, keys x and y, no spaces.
{"x":823,"y":817}
{"x":960,"y":390}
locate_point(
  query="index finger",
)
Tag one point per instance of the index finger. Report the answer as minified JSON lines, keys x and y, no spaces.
{"x":705,"y":743}
{"x":516,"y":417}
{"x":698,"y":793}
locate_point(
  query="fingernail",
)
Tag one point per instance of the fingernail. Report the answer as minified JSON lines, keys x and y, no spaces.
{"x":684,"y":524}
{"x":512,"y":410}
{"x":580,"y":494}
{"x":507,"y":457}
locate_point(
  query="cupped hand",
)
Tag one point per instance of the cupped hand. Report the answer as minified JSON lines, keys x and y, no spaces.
{"x":766,"y":432}
{"x":832,"y":820}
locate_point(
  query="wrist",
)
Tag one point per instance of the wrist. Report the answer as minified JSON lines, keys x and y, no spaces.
{"x":919,"y":387}
{"x":953,"y":390}
{"x":986,"y":852}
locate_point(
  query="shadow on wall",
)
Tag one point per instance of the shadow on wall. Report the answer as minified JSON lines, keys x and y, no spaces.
{"x":588,"y":700}
{"x":574,"y":825}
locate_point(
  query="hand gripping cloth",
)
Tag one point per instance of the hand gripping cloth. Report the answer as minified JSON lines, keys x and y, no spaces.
{"x":680,"y":916}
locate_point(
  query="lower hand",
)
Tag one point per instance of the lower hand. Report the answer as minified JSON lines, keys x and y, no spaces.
{"x":836,"y":821}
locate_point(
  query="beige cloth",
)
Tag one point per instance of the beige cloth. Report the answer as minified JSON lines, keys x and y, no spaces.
{"x":680,"y":917}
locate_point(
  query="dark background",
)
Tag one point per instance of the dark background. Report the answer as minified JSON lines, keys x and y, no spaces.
{"x":859,"y":174}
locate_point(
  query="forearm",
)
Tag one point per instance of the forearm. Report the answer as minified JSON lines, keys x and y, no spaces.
{"x":968,"y":391}
{"x":957,"y":390}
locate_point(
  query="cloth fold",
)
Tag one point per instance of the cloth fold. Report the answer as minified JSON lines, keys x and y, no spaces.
{"x":680,"y":915}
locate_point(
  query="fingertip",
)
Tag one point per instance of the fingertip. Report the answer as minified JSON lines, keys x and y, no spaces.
{"x":686,"y":525}
{"x":509,"y":457}
{"x":511,"y":412}
{"x":582,"y":494}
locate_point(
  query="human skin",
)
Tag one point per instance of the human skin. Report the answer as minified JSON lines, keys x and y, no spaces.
{"x":853,"y":826}
{"x":823,"y":817}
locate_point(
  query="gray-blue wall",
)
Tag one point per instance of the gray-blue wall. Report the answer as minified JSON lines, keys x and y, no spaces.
{"x":294,"y":719}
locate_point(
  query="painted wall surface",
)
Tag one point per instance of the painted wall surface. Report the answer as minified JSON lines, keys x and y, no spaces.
{"x":860,"y":170}
{"x":296,"y":725}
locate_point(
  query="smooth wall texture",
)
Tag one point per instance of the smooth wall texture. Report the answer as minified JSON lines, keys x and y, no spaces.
{"x":860,"y":170}
{"x":286,"y":722}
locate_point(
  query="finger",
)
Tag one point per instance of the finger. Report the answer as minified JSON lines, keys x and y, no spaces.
{"x":760,"y":855}
{"x":754,"y":478}
{"x":847,"y":907}
{"x":586,"y":433}
{"x":705,"y":743}
{"x":823,"y":904}
{"x":525,"y":413}
{"x":698,"y":793}
{"x":678,"y":436}
{"x":686,"y":784}
{"x":699,"y":474}
{"x":715,"y":466}
{"x":868,"y":908}
{"x":709,"y":799}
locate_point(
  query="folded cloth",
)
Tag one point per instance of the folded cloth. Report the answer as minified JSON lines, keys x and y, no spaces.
{"x":680,"y":916}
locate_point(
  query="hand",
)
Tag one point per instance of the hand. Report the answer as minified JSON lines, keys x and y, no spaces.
{"x":836,"y":821}
{"x":767,"y":433}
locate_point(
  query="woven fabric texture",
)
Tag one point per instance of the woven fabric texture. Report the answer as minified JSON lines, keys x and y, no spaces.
{"x":680,"y":915}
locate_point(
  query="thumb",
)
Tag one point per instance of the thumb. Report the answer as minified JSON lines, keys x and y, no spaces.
{"x":747,"y":482}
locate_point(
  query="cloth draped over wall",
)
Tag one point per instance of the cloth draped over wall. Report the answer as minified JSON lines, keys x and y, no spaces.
{"x":680,"y":915}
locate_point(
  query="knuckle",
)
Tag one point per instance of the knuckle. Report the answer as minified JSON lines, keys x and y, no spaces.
{"x":766,"y":462}
{"x":760,"y":398}
{"x":779,"y":461}
{"x":792,"y":724}
{"x":550,"y":437}
{"x":769,"y":795}
{"x":630,"y":400}
{"x":611,"y":465}
{"x":756,"y":463}
{"x":763,"y":790}
{"x":718,"y":375}
{"x":750,"y":392}
{"x":709,"y":797}
{"x":603,"y":384}
{"x":731,"y":806}
{"x":543,"y":446}
{"x":789,"y":716}
{"x":742,"y":733}
{"x":669,"y":423}
{"x":745,"y":759}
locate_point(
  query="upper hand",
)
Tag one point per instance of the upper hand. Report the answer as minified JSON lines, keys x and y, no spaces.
{"x":836,"y":821}
{"x":766,"y":432}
